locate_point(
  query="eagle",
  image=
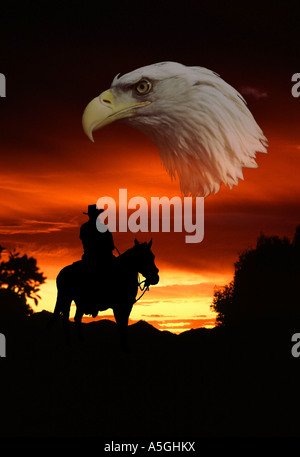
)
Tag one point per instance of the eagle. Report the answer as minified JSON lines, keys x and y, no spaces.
{"x":202,"y":126}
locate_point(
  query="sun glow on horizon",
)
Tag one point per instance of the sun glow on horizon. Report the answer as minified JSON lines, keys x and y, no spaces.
{"x":181,"y":301}
{"x":42,"y":207}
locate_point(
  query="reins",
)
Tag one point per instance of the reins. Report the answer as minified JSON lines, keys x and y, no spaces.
{"x":144,"y":288}
{"x":115,"y":247}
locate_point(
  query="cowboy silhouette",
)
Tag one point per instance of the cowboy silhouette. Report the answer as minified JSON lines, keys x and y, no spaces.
{"x":98,"y":245}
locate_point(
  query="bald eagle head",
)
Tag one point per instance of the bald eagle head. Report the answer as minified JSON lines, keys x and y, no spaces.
{"x":203,"y":129}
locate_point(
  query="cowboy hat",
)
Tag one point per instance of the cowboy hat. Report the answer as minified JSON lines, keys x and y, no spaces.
{"x":92,"y":210}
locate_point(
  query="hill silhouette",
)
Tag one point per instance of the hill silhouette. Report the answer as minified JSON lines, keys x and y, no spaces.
{"x":204,"y":382}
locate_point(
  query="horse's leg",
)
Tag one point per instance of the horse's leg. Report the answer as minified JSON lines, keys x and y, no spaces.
{"x":63,"y":305}
{"x":122,"y":313}
{"x":62,"y":308}
{"x":59,"y":306}
{"x":77,"y":319}
{"x":66,"y":323}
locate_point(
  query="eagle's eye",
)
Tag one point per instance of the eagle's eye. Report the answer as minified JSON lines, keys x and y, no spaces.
{"x":143,"y":87}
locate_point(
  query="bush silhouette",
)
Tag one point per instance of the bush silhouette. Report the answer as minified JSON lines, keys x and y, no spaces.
{"x":265,"y":286}
{"x":20,"y":279}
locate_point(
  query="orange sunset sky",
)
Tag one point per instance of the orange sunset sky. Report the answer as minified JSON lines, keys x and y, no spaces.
{"x":50,"y":172}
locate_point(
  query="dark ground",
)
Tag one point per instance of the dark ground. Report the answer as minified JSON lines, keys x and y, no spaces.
{"x":202,"y":383}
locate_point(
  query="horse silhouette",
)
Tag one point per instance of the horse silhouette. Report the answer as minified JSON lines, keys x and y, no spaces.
{"x":97,"y":290}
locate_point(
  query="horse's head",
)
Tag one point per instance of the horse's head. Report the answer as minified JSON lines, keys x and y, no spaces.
{"x":146,"y":264}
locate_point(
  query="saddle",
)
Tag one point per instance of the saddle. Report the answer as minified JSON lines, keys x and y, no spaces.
{"x":94,"y":282}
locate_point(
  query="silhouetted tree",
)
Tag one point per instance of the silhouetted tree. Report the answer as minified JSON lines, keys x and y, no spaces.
{"x":265,"y":285}
{"x":20,"y":279}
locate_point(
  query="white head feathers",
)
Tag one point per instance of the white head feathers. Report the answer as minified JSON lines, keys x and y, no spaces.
{"x":203,"y":129}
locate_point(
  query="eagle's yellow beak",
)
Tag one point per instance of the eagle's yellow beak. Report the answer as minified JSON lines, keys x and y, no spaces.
{"x":105,"y":109}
